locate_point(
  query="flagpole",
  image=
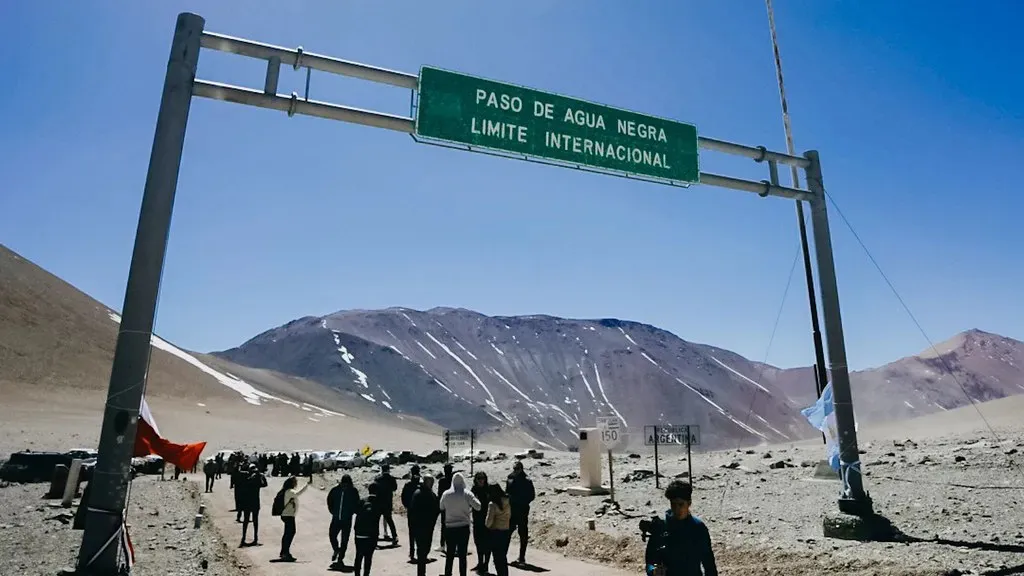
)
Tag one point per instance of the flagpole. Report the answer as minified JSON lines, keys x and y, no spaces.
{"x":820,"y":371}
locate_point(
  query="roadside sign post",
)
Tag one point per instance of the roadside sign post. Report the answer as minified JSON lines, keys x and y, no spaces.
{"x":657,"y":435}
{"x":454,"y":110}
{"x":657,"y":472}
{"x":689,"y":457}
{"x":472,"y":450}
{"x":459,"y":438}
{"x":611,"y":436}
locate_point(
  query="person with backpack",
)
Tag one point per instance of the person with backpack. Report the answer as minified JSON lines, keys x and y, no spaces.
{"x":251,"y":484}
{"x":342,"y":502}
{"x":367,"y":529}
{"x":407,"y":492}
{"x":481,"y":538}
{"x":286,"y":505}
{"x":423,"y":513}
{"x":681,"y":544}
{"x":386,"y":488}
{"x":520,"y":495}
{"x":498,"y":522}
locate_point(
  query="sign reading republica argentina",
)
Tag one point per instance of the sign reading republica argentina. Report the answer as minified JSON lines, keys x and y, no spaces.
{"x":469,"y":110}
{"x":669,"y":435}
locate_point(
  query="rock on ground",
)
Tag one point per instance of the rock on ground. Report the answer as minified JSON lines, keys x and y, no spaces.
{"x":36,"y":538}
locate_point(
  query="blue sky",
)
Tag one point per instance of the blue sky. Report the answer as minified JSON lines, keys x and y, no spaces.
{"x":916,"y":108}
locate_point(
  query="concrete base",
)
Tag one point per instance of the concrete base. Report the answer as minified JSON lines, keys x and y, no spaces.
{"x":870,"y":528}
{"x":822,"y":471}
{"x":585,"y":491}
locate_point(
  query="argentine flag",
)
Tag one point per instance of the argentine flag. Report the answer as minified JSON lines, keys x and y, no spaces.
{"x":822,"y":416}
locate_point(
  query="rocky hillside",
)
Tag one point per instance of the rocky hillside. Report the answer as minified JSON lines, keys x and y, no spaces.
{"x":543,"y":375}
{"x":548,"y":376}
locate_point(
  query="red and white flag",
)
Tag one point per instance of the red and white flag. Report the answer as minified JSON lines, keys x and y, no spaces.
{"x":148,"y":441}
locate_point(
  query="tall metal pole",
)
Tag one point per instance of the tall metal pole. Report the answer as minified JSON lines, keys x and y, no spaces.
{"x":820,"y":374}
{"x":109,"y":484}
{"x":854,"y":500}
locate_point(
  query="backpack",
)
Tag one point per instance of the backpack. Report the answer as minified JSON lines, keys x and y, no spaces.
{"x":278,"y":506}
{"x":367,"y":518}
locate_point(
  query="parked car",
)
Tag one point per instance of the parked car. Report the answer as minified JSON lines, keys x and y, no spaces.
{"x":434,"y":457}
{"x":82,"y":454}
{"x":28,"y":466}
{"x":382,"y":457}
{"x":151,"y":464}
{"x":531,"y":453}
{"x":349,"y":459}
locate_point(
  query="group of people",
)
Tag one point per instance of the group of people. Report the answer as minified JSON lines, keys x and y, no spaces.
{"x":280,"y":464}
{"x":486,"y":512}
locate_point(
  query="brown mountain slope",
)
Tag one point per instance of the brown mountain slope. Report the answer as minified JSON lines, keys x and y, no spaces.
{"x":988,"y":366}
{"x":56,"y":349}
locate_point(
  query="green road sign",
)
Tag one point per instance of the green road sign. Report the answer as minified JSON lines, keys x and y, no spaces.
{"x":468,"y":110}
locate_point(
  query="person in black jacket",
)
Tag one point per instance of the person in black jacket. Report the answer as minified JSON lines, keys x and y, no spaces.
{"x":520,"y":495}
{"x":386,"y":488}
{"x":481,"y":536}
{"x":342,"y":502}
{"x":407,"y":492}
{"x":423,"y":512}
{"x":681,"y":545}
{"x":248,"y":490}
{"x":367,"y":529}
{"x":443,"y":484}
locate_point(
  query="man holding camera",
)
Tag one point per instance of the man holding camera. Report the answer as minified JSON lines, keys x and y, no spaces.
{"x":679,"y":544}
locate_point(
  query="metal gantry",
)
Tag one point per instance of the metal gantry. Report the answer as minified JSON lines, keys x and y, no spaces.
{"x":104,"y":518}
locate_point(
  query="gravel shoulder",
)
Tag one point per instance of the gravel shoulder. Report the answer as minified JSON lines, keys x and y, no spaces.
{"x":36,"y":537}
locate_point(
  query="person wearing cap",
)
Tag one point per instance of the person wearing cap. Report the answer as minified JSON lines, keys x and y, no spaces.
{"x":407,"y":493}
{"x":521,"y":494}
{"x":342,"y":503}
{"x":386,"y":488}
{"x":443,"y":484}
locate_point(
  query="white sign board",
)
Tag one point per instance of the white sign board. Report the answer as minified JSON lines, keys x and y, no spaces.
{"x":671,"y":435}
{"x":457,"y":437}
{"x":611,"y":431}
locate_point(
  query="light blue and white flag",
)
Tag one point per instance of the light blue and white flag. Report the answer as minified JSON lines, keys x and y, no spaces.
{"x":822,"y":416}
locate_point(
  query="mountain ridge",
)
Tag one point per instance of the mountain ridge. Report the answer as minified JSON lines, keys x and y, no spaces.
{"x":548,"y":375}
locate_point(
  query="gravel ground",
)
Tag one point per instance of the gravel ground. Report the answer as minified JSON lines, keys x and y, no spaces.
{"x":966,"y":495}
{"x":963,"y":495}
{"x":36,"y":538}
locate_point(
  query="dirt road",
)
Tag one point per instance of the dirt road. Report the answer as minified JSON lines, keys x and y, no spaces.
{"x":313,"y":550}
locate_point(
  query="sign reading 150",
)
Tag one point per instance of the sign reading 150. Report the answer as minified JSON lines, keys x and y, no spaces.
{"x":610,"y":436}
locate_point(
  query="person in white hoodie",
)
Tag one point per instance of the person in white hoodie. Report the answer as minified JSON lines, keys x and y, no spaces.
{"x":458,"y":505}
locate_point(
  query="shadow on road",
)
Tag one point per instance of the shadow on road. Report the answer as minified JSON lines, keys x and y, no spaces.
{"x":527,"y":567}
{"x":986,"y":546}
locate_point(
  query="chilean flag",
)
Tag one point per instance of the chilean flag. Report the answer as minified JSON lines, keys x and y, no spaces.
{"x":148,"y":441}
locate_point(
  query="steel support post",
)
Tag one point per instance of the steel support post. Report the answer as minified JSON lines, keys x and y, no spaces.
{"x":98,"y":554}
{"x":854,"y":499}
